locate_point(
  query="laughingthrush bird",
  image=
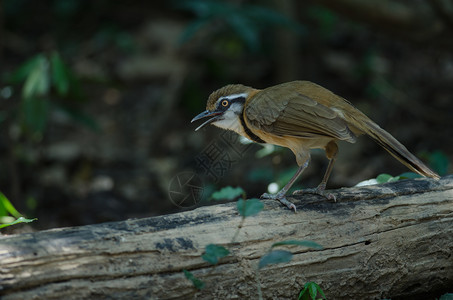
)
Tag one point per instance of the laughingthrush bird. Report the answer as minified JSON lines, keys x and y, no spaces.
{"x":299,"y":115}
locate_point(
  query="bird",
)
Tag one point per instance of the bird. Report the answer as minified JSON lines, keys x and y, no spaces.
{"x":299,"y":115}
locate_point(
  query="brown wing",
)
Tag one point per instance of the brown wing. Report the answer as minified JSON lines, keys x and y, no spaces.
{"x":284,"y":110}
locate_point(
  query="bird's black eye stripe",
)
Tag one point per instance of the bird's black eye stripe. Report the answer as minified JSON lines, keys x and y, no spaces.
{"x":238,"y":99}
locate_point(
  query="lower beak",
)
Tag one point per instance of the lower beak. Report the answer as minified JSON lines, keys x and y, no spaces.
{"x":215,"y":115}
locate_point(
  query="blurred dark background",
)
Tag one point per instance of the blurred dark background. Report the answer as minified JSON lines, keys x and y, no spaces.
{"x":96,"y":97}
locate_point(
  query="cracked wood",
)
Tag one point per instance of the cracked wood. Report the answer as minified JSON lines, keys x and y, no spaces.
{"x":392,"y":240}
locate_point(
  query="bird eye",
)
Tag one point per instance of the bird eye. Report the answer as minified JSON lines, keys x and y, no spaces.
{"x":225,"y":103}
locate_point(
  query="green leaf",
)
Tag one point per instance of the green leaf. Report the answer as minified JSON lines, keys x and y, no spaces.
{"x":383,"y":178}
{"x":213,"y":253}
{"x":275,"y":257}
{"x":8,"y":207}
{"x":19,"y":220}
{"x":37,"y":83}
{"x":319,"y":290}
{"x":249,"y":207}
{"x":409,"y":175}
{"x":228,"y":193}
{"x":35,"y":112}
{"x":447,"y":296}
{"x":439,"y":162}
{"x":3,"y":211}
{"x":197,"y":283}
{"x":304,"y":295}
{"x":60,"y":76}
{"x":25,"y":69}
{"x":311,"y":290}
{"x":309,"y":244}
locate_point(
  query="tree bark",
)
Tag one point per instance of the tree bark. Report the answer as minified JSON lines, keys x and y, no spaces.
{"x":392,"y":240}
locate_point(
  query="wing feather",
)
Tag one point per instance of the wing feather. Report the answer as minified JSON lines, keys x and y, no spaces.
{"x":295,"y":114}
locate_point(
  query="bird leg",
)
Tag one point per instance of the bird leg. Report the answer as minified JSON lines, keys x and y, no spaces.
{"x":281,"y":195}
{"x":331,"y":153}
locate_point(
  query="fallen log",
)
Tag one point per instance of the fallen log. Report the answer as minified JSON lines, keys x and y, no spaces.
{"x":391,"y":240}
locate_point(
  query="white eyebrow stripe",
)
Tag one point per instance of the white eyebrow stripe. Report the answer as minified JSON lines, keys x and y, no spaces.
{"x":234,"y":96}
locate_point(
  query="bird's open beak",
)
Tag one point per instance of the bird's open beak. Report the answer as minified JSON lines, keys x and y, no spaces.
{"x":214,"y":114}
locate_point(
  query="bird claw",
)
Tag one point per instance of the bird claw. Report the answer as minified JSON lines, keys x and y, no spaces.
{"x":281,"y":198}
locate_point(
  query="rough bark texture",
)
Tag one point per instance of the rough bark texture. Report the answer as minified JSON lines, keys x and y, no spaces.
{"x":393,"y":240}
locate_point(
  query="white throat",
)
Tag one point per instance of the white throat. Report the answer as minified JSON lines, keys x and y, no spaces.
{"x":231,"y":119}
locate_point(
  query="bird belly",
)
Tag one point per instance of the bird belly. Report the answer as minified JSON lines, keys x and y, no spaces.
{"x":299,"y":146}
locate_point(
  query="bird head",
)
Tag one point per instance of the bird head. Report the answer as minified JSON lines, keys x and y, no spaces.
{"x":225,"y":107}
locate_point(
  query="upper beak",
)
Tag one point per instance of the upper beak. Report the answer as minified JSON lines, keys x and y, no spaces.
{"x":214,"y":114}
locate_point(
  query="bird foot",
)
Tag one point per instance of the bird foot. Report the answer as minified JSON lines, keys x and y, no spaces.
{"x":320,"y":190}
{"x":281,"y":198}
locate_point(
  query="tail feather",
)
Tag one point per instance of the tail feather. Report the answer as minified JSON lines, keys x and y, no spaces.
{"x":397,"y":150}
